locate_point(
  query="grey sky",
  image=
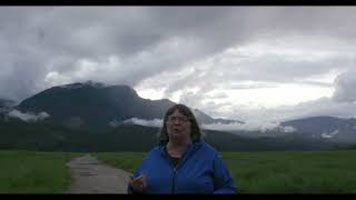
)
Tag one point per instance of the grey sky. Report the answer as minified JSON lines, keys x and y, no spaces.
{"x":228,"y":61}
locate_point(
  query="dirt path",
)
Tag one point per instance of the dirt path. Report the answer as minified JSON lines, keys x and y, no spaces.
{"x":92,"y":176}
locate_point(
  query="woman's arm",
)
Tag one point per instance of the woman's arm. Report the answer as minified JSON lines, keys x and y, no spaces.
{"x":132,"y":187}
{"x":223,"y":182}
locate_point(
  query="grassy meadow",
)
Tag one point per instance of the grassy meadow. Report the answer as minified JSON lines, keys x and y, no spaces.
{"x":34,"y":172}
{"x":254,"y":172}
{"x":287,"y":172}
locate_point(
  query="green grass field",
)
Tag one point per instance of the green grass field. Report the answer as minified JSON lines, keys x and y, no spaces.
{"x":275,"y":172}
{"x":34,"y":172}
{"x":253,"y":172}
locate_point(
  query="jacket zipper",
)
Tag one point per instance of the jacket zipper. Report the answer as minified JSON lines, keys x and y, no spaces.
{"x":173,"y":179}
{"x":174,"y":174}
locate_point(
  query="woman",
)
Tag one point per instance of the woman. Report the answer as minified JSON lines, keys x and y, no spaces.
{"x":182,"y":162}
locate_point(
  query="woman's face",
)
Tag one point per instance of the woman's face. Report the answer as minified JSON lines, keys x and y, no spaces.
{"x":178,"y":126}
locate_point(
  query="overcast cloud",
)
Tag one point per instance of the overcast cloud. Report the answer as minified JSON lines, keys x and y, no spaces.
{"x":257,"y":64}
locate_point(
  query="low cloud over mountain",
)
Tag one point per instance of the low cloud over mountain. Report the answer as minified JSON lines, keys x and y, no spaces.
{"x":28,"y":117}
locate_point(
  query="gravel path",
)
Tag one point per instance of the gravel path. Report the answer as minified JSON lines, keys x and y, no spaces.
{"x":91,"y":176}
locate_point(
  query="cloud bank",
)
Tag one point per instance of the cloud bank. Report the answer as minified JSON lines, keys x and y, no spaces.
{"x":248,"y":63}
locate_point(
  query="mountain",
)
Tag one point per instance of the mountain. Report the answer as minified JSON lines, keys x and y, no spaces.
{"x":94,"y":106}
{"x":331,"y":128}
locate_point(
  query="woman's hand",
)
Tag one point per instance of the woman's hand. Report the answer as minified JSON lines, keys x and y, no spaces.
{"x":139,"y":183}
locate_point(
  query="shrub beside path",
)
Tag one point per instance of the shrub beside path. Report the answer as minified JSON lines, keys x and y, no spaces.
{"x":91,"y":176}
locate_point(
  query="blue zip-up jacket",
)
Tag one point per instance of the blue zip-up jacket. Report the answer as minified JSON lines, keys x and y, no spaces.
{"x":200,"y":170}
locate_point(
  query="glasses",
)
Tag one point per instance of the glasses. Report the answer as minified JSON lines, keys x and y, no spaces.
{"x":179,"y":119}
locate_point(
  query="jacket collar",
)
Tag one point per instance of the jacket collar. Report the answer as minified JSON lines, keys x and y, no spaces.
{"x":192,"y":148}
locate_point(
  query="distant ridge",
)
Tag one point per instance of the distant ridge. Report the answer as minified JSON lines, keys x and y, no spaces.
{"x":338,"y":129}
